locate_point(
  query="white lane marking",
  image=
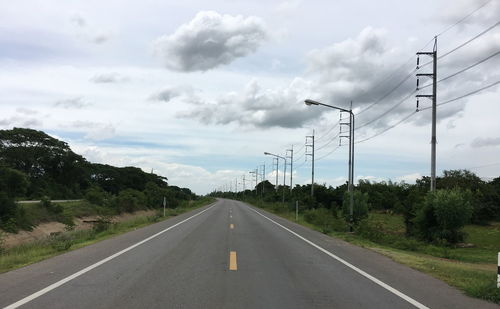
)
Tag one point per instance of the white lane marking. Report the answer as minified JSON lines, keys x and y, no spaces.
{"x":89,"y":268}
{"x":361,"y":272}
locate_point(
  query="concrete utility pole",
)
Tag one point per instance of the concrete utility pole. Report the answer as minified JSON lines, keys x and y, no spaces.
{"x":276,"y":183}
{"x":433,"y":96}
{"x":263,"y":178}
{"x":310,"y":143}
{"x":255,"y":172}
{"x":284,"y":171}
{"x":291,"y":166}
{"x":244,"y":185}
{"x":351,"y":155}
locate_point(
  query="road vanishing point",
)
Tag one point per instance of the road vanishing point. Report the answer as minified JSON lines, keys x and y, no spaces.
{"x":225,"y":255}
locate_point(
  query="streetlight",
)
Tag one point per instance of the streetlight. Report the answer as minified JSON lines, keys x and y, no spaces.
{"x":284,"y":171}
{"x":351,"y":153}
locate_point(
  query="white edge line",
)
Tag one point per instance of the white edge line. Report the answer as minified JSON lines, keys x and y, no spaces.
{"x":89,"y":268}
{"x":361,"y":272}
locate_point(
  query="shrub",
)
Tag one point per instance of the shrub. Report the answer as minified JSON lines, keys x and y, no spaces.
{"x":96,"y":196}
{"x":101,"y":224}
{"x":61,"y":241}
{"x":442,"y":216}
{"x":360,"y":207}
{"x":324,"y":219}
{"x":130,"y":200}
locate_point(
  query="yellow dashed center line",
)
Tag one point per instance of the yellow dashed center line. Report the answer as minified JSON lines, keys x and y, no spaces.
{"x":232,"y":261}
{"x":231,"y":226}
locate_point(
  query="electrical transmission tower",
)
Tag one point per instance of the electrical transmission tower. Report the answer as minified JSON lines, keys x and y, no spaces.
{"x":432,"y":96}
{"x":310,"y":152}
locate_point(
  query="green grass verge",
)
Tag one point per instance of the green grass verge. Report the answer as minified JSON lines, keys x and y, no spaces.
{"x":472,"y":270}
{"x":33,"y":252}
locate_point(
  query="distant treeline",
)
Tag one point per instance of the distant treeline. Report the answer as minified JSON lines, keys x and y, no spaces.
{"x":461,"y":198}
{"x":34,"y":165}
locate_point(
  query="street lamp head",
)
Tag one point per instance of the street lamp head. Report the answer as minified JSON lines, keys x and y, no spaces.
{"x":266,"y":153}
{"x":311,"y":102}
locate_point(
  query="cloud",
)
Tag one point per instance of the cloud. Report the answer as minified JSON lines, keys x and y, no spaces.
{"x":26,"y":111}
{"x":410,"y":178}
{"x":70,"y":103}
{"x":485,"y":142}
{"x":210,"y":40}
{"x":167,"y":94}
{"x":259,"y":107}
{"x":455,"y":10}
{"x":88,"y":32}
{"x":109,"y":78}
{"x":20,"y":122}
{"x":101,"y":133}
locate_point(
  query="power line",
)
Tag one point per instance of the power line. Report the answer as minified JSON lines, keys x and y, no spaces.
{"x":325,"y":145}
{"x":464,"y":69}
{"x":470,"y":40}
{"x":466,"y":95}
{"x":465,"y":43}
{"x":387,"y":129}
{"x":387,"y":111}
{"x":389,"y":92}
{"x":464,"y":18}
{"x":326,"y":155}
{"x":439,"y":104}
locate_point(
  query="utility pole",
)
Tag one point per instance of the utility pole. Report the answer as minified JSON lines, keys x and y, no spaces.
{"x":351,"y":151}
{"x":284,"y":179}
{"x":276,"y":183}
{"x":255,"y":173}
{"x":263,"y":178}
{"x":433,"y":96}
{"x":291,"y":166}
{"x":244,"y":186}
{"x":236,"y":185}
{"x":310,"y":143}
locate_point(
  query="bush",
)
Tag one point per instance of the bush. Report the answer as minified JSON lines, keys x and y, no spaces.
{"x":8,"y":210}
{"x":130,"y":200}
{"x":360,"y":207}
{"x":101,"y":224}
{"x":324,"y":219}
{"x":60,"y":241}
{"x":96,"y":196}
{"x":442,"y":216}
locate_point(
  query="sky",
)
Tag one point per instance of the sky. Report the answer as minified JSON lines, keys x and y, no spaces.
{"x":197,"y":91}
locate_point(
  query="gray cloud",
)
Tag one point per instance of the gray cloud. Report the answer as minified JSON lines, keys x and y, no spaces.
{"x":26,"y":111}
{"x":485,"y":142}
{"x":88,"y":32}
{"x":210,"y":40}
{"x":259,"y":107}
{"x":20,"y":122}
{"x":165,"y":95}
{"x":76,"y":102}
{"x":109,"y":78}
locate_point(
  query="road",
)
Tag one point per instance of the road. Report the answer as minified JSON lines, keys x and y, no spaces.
{"x":225,"y":255}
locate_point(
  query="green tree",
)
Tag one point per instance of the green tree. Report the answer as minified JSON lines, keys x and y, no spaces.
{"x":443,"y":215}
{"x":360,"y":207}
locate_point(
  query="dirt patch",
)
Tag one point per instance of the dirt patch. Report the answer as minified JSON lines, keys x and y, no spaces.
{"x":43,"y":230}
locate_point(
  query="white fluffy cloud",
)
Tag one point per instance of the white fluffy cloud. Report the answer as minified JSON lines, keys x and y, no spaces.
{"x":210,"y":40}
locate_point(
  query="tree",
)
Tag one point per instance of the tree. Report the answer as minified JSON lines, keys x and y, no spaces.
{"x":442,"y":216}
{"x":13,"y":183}
{"x":360,"y":207}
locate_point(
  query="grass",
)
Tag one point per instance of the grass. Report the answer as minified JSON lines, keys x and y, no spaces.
{"x":472,"y":270}
{"x":33,"y":252}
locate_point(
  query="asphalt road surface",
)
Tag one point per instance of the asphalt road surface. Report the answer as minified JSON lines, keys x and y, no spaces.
{"x":225,"y":255}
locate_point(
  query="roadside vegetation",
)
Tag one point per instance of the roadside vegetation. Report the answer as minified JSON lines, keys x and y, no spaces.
{"x":36,"y":166}
{"x":452,"y":234}
{"x":103,"y":228}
